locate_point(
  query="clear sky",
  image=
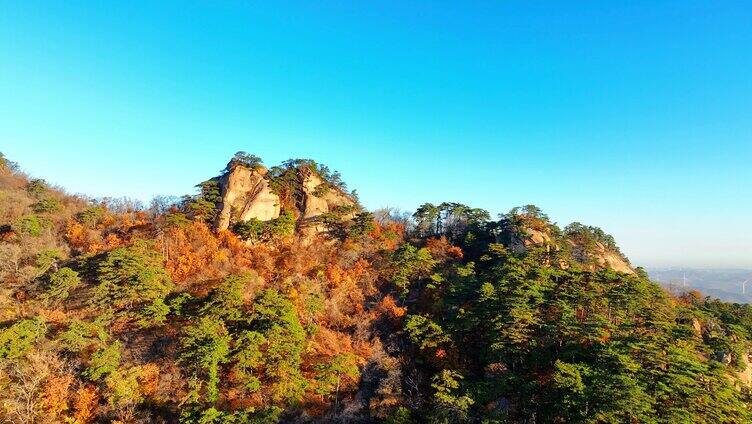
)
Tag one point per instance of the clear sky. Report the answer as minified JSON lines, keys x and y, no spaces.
{"x":635,"y":116}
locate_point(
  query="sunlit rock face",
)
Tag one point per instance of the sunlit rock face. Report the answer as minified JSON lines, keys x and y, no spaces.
{"x":246,"y":195}
{"x":601,"y":257}
{"x":609,"y":259}
{"x":317,"y":204}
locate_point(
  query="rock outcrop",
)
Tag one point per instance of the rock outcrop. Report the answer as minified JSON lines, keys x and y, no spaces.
{"x":245,"y":195}
{"x":597,"y":256}
{"x":601,"y":257}
{"x":319,"y":201}
{"x":745,"y":375}
{"x":609,"y":259}
{"x":247,"y":191}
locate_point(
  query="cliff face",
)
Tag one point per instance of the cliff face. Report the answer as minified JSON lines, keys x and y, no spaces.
{"x":519,"y":243}
{"x":609,"y":259}
{"x":599,"y":256}
{"x":246,"y":193}
{"x":745,"y":376}
{"x":317,"y":203}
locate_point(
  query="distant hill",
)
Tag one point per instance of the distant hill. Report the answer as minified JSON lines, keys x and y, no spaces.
{"x":724,"y":284}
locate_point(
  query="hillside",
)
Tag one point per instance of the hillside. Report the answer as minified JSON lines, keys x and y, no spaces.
{"x":272,"y":295}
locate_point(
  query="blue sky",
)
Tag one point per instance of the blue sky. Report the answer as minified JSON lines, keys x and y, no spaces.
{"x":633,"y":116}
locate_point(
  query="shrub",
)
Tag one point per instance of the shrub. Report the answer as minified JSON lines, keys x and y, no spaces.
{"x":154,"y":313}
{"x":329,"y":374}
{"x":91,"y":215}
{"x":244,"y":159}
{"x":251,"y":230}
{"x":203,"y":206}
{"x":424,"y":333}
{"x":103,"y":362}
{"x":180,"y":303}
{"x":31,"y":225}
{"x":131,"y":278}
{"x":226,"y":301}
{"x":283,"y":226}
{"x":46,"y":259}
{"x":197,"y":415}
{"x":361,"y":225}
{"x":81,"y":334}
{"x":36,"y":187}
{"x":177,"y":219}
{"x":125,"y":386}
{"x":46,"y":205}
{"x":17,"y":339}
{"x":61,"y":283}
{"x":206,"y":345}
{"x":321,"y":190}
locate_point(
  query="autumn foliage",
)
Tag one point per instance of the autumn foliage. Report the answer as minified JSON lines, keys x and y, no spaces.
{"x":115,"y":312}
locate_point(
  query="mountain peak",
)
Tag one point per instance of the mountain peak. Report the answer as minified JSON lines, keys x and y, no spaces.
{"x":302,"y":188}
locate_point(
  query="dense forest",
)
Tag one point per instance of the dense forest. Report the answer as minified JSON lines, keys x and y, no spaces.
{"x":227,"y":307}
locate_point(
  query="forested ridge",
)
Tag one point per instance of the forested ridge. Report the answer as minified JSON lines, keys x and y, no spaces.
{"x":322,"y":311}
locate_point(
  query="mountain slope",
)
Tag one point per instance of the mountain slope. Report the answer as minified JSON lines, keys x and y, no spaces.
{"x":272,"y":296}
